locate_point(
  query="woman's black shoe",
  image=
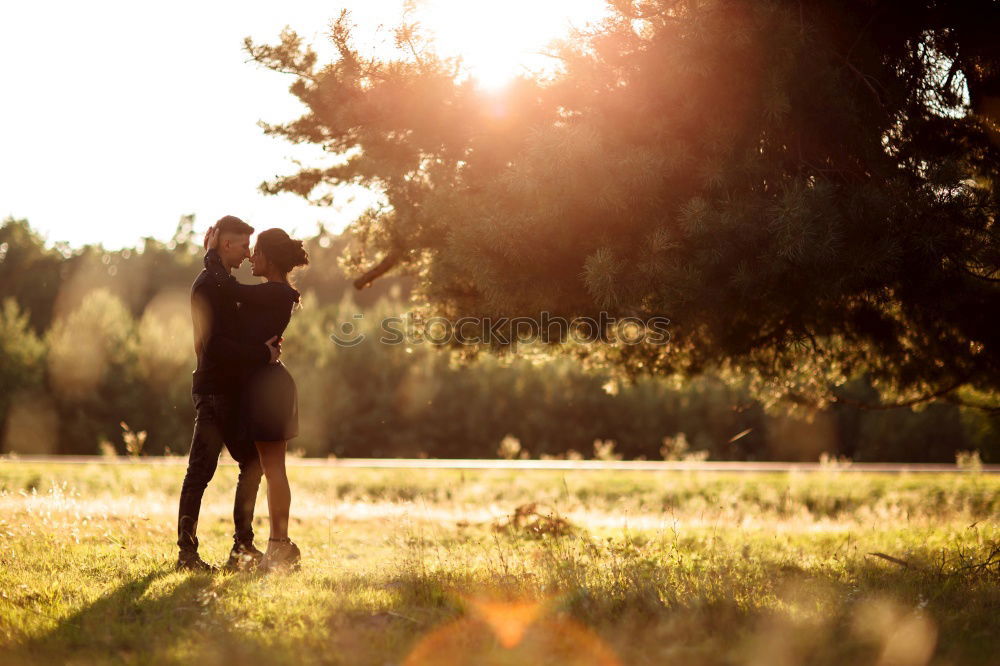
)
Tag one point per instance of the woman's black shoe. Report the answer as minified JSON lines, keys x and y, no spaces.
{"x":281,"y":555}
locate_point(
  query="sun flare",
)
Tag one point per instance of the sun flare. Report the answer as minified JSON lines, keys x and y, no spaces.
{"x":498,"y":41}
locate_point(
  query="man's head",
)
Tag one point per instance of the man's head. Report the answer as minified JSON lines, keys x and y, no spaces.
{"x":234,"y":240}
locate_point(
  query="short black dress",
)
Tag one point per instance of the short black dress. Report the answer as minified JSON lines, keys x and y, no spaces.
{"x":269,"y":401}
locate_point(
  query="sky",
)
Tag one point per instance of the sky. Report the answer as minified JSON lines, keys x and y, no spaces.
{"x":118,"y":117}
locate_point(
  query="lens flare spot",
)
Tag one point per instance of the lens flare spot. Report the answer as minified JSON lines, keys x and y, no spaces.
{"x":511,"y":632}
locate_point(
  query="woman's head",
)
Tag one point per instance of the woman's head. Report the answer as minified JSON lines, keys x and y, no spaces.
{"x":276,"y":252}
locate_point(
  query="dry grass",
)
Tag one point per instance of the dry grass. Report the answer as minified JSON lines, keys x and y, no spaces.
{"x":594,"y":568}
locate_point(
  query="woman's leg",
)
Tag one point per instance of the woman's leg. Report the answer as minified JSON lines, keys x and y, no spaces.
{"x":279,"y":495}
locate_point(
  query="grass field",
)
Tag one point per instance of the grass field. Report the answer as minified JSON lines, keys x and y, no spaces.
{"x":439,"y":567}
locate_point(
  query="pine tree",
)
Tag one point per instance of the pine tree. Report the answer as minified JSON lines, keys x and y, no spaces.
{"x":808,"y":190}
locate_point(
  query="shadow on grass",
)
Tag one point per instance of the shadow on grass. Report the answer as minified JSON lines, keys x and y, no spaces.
{"x":639,"y":611}
{"x":141,"y":622}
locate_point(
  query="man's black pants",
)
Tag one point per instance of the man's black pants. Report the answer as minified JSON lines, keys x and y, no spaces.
{"x":218,"y":423}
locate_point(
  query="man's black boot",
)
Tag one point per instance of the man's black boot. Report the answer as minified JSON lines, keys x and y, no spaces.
{"x":243,"y":557}
{"x":189,"y":560}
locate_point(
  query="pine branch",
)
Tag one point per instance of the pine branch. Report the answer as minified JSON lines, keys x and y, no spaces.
{"x":387,"y":263}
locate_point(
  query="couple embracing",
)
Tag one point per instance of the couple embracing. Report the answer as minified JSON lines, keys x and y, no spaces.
{"x":244,"y":397}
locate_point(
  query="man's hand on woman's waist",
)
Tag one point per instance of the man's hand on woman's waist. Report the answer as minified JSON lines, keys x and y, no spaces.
{"x":274,"y":347}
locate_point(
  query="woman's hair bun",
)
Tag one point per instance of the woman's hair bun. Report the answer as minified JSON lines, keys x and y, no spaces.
{"x":284,"y":252}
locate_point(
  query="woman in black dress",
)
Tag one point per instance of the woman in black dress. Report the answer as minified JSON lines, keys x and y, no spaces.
{"x":270,"y":402}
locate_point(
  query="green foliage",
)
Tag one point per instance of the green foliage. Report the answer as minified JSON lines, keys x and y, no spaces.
{"x":22,"y":354}
{"x":101,"y":363}
{"x":91,"y":370}
{"x":29,"y":270}
{"x":807,"y":190}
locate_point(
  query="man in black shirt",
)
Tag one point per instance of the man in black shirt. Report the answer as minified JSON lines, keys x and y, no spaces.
{"x":222,"y":363}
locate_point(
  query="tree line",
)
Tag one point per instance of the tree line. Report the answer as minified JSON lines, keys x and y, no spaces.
{"x":96,"y":350}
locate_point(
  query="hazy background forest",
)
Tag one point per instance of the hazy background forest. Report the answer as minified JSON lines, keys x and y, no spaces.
{"x":96,"y":349}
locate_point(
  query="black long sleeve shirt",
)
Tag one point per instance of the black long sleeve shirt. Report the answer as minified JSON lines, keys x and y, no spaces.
{"x":264,"y":309}
{"x":223,"y":358}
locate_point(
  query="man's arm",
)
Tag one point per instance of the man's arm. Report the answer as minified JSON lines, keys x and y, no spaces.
{"x":254,"y":294}
{"x":227,"y":348}
{"x":207,"y":339}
